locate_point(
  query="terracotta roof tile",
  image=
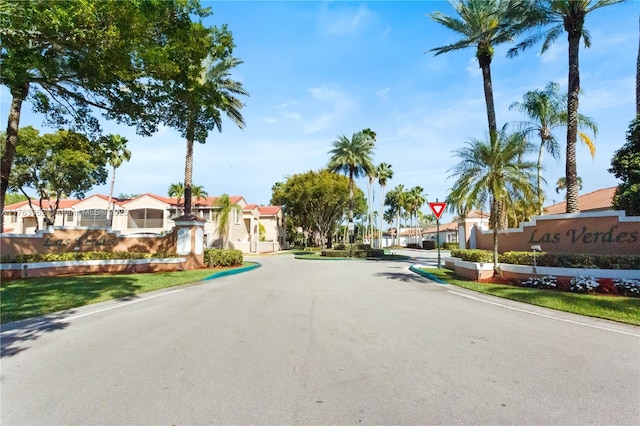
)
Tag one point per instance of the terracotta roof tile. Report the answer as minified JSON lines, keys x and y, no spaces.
{"x":600,"y":199}
{"x":269,"y":210}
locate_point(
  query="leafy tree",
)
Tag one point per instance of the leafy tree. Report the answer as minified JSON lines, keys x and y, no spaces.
{"x":547,"y":109}
{"x":222,"y":215}
{"x":71,"y":57}
{"x":353,"y":158}
{"x":176,"y":190}
{"x":124,"y":196}
{"x":625,"y":165}
{"x":116,"y":152}
{"x":316,"y":201}
{"x":14,"y":197}
{"x":492,"y":172}
{"x":483,"y":24}
{"x":198,"y":99}
{"x":57,"y":165}
{"x":550,"y":19}
{"x":384,"y":172}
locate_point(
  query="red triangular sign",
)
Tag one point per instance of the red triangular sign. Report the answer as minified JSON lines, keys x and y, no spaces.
{"x":437,"y":208}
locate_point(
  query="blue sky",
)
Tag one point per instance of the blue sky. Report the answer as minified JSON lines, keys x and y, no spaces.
{"x":317,"y":70}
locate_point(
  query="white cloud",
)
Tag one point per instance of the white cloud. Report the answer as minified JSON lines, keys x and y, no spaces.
{"x":345,"y":20}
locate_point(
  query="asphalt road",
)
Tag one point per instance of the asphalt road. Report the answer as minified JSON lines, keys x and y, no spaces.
{"x":316,"y":342}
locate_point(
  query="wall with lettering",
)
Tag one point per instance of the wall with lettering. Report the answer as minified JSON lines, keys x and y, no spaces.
{"x":75,"y":239}
{"x":607,"y":232}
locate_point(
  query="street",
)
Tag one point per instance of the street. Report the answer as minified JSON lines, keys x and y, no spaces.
{"x":319,"y":342}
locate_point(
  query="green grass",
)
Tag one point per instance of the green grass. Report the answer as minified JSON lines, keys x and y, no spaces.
{"x":621,"y":309}
{"x":26,"y":298}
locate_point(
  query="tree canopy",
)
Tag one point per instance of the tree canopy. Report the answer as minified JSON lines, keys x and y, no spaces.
{"x":69,"y":58}
{"x":57,"y":165}
{"x":317,"y":201}
{"x":625,"y":165}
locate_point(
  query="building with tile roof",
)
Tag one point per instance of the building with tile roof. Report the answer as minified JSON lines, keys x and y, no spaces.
{"x":598,"y":200}
{"x":155,"y":214}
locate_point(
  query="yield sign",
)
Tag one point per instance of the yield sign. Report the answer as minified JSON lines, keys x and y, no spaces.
{"x":437,"y":208}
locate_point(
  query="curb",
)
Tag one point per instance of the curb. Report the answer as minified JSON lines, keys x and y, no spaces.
{"x":253,"y":265}
{"x":417,"y":270}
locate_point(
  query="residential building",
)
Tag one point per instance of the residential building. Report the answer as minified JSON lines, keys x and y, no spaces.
{"x":594,"y":201}
{"x":155,"y":214}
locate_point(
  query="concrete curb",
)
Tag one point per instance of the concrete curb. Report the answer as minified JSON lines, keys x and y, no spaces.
{"x":228,"y":272}
{"x":416,"y":269}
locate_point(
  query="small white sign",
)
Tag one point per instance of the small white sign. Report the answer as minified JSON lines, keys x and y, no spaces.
{"x":351,"y":226}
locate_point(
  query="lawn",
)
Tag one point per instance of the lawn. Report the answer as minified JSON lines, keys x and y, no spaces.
{"x":616,"y":308}
{"x":26,"y":298}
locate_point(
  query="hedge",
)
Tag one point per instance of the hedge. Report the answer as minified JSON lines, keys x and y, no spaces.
{"x":560,"y":260}
{"x":88,"y":255}
{"x":220,"y":257}
{"x":357,"y":253}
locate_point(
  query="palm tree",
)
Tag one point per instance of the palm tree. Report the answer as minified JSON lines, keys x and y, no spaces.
{"x":492,"y":172}
{"x":176,"y":190}
{"x":116,"y":153}
{"x":198,"y":191}
{"x":200,"y":107}
{"x":546,"y":109}
{"x":395,"y":199}
{"x":353,"y":158}
{"x":222,"y":216}
{"x":370,"y":200}
{"x":384,"y":173}
{"x":483,"y":24}
{"x":553,"y":17}
{"x":561,"y":184}
{"x":415,"y":199}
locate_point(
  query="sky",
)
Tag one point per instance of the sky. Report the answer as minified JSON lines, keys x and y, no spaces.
{"x":319,"y":70}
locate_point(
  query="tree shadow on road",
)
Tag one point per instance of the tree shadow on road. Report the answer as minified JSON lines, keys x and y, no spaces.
{"x":401,"y":276}
{"x":15,"y":337}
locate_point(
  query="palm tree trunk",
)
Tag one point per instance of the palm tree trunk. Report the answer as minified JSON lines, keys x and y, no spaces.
{"x":17,"y":96}
{"x":381,"y":215}
{"x":494,"y":219}
{"x":188,"y":172}
{"x":113,"y":183}
{"x":539,"y":177}
{"x":351,"y":234}
{"x":572,"y":124}
{"x":485,"y":65}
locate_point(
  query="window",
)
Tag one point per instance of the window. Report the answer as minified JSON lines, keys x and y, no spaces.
{"x":12,"y":216}
{"x":92,"y":217}
{"x":145,"y":218}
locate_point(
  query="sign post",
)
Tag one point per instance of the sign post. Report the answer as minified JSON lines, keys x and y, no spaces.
{"x":437,"y":209}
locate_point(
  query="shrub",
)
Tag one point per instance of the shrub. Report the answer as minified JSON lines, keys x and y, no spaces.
{"x":519,"y":257}
{"x":219,"y":257}
{"x":607,"y":286}
{"x":335,"y":253}
{"x":451,"y":246}
{"x":583,"y":284}
{"x":628,"y":287}
{"x":474,"y":255}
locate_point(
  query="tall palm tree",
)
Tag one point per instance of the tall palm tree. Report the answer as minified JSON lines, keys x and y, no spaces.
{"x":546,"y":109}
{"x":551,"y":18}
{"x":492,"y":172}
{"x":353,"y":158}
{"x":225,"y":208}
{"x":117,"y":153}
{"x":482,"y":24}
{"x":395,"y":199}
{"x":370,"y":200}
{"x":202,"y":105}
{"x":415,"y":200}
{"x":197,"y":192}
{"x":176,"y":190}
{"x":384,"y":173}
